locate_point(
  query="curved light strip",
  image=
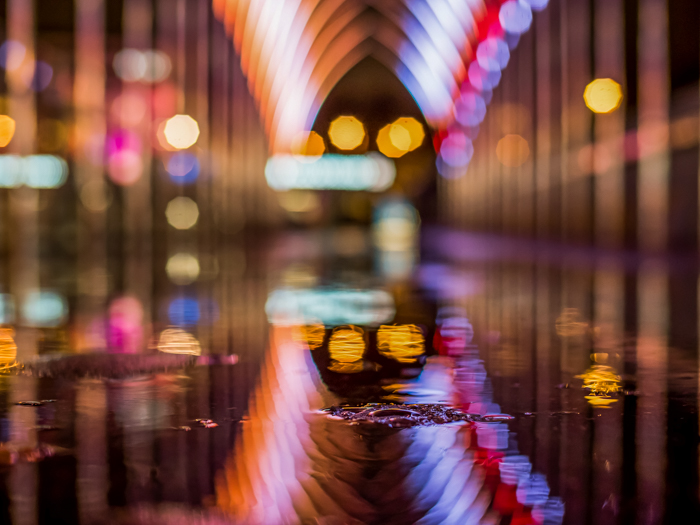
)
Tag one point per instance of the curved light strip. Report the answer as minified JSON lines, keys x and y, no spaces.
{"x":293,"y":52}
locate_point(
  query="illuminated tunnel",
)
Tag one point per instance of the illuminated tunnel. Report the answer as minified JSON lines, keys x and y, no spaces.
{"x":447,"y":53}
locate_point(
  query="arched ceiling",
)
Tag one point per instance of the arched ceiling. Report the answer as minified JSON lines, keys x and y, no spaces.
{"x":293,"y":52}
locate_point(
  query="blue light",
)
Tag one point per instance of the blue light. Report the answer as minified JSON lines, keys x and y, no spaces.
{"x":470,"y":109}
{"x":12,"y":54}
{"x":41,"y":78}
{"x":456,"y":150}
{"x":183,"y":167}
{"x":493,"y":54}
{"x":515,"y":16}
{"x":184,"y":311}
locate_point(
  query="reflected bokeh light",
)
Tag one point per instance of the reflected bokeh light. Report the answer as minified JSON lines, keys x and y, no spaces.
{"x":403,"y":343}
{"x":43,"y":308}
{"x":602,"y":383}
{"x":346,"y":348}
{"x":179,"y":342}
{"x":8,"y":348}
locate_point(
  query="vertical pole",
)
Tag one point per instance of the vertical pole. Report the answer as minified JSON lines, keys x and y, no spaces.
{"x":653,"y":112}
{"x":608,"y":163}
{"x":24,"y":246}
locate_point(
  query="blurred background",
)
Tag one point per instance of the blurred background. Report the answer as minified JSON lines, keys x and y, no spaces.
{"x":176,"y":175}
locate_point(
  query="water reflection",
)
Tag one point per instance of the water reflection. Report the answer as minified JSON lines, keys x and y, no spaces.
{"x":577,"y":389}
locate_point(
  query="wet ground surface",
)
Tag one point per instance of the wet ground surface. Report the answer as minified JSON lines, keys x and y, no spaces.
{"x":326,"y":382}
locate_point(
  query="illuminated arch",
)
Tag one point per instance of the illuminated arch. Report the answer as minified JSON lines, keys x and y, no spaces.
{"x":294,"y":51}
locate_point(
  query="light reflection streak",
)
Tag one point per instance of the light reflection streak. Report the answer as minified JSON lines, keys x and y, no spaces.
{"x":292,"y":463}
{"x":404,"y":343}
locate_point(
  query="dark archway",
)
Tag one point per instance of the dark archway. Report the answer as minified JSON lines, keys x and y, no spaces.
{"x":373,"y":94}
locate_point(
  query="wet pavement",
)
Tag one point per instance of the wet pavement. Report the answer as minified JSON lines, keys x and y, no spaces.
{"x":313,"y":378}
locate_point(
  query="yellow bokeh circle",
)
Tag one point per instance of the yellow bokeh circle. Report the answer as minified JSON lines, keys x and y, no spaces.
{"x":346,"y":133}
{"x":603,"y":95}
{"x":7,"y":130}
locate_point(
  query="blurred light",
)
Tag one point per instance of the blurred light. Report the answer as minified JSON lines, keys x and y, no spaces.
{"x":184,"y":311}
{"x":346,"y":348}
{"x":96,"y":195}
{"x":164,"y":99}
{"x":8,"y":348}
{"x":125,"y":329}
{"x":183,"y":167}
{"x":603,"y":95}
{"x":386,"y":145}
{"x":35,"y":171}
{"x":182,"y":268}
{"x":404,"y":343}
{"x":456,"y":149}
{"x":39,"y":77}
{"x":44,"y":309}
{"x":132,"y":65}
{"x":332,"y":306}
{"x":177,"y":341}
{"x":400,"y":137}
{"x":512,"y":151}
{"x":181,"y":131}
{"x":537,"y":5}
{"x":395,"y":226}
{"x":44,"y":171}
{"x":309,"y":144}
{"x":122,"y":140}
{"x":413,"y":127}
{"x":182,"y":213}
{"x":299,"y":201}
{"x":12,"y":54}
{"x":313,"y":335}
{"x":346,"y":133}
{"x":493,"y":54}
{"x":482,"y":79}
{"x":125,"y":167}
{"x":602,"y":382}
{"x":10,"y":171}
{"x":129,"y":109}
{"x":7,"y":130}
{"x":371,"y":172}
{"x":52,"y":135}
{"x":470,"y":109}
{"x":570,"y":323}
{"x":533,"y":491}
{"x":515,"y":16}
{"x":7,"y":309}
{"x":158,"y":66}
